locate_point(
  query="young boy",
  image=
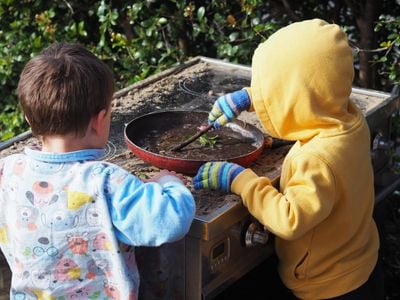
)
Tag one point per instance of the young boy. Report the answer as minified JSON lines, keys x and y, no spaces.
{"x":321,"y":213}
{"x":63,"y":213}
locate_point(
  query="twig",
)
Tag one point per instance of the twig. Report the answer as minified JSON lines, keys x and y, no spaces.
{"x":290,"y":11}
{"x":387,"y":48}
{"x":69,"y":6}
{"x":192,"y":138}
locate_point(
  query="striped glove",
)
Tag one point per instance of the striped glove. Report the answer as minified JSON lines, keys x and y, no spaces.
{"x":216,"y":176}
{"x":228,"y":107}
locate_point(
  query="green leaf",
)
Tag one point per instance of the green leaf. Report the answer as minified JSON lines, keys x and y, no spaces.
{"x":162,"y":21}
{"x":149,"y":31}
{"x":382,"y":59}
{"x":159,"y":45}
{"x":102,"y":8}
{"x":81,"y":28}
{"x":206,"y":140}
{"x":255,"y":21}
{"x":137,"y":7}
{"x":393,"y":36}
{"x":200,"y":13}
{"x":233,"y":36}
{"x":385,"y":44}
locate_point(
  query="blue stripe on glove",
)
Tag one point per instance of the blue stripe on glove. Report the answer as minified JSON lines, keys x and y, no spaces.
{"x":228,"y":107}
{"x":216,"y":176}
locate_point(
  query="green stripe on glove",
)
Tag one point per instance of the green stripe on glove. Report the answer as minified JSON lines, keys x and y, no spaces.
{"x":216,"y":176}
{"x":228,"y":107}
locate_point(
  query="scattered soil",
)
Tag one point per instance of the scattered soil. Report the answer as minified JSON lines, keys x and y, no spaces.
{"x":193,"y":88}
{"x":196,"y":88}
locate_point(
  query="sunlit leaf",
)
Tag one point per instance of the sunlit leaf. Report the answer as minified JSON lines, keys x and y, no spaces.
{"x":200,"y":12}
{"x":162,"y":21}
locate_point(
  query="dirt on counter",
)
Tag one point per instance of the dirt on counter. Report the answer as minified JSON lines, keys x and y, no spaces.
{"x":192,"y":88}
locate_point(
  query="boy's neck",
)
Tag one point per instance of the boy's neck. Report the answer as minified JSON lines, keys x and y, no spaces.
{"x":65,"y":143}
{"x":95,"y":136}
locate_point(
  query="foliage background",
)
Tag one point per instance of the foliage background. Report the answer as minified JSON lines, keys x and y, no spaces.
{"x":141,"y":38}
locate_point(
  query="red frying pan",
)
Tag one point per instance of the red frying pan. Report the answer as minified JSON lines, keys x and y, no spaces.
{"x":150,"y":137}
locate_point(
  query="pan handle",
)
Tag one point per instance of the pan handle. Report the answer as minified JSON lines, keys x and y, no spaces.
{"x":271,"y":142}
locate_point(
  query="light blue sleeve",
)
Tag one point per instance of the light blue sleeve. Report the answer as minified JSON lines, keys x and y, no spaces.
{"x":151,"y":214}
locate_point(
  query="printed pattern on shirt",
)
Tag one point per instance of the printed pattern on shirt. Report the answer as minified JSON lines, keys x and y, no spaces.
{"x":57,"y":234}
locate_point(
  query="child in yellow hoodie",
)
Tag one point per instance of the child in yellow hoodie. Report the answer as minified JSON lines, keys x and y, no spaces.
{"x":321,"y":214}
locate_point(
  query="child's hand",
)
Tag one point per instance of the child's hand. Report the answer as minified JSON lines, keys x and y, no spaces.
{"x":228,"y":107}
{"x":162,"y":176}
{"x":216,"y":176}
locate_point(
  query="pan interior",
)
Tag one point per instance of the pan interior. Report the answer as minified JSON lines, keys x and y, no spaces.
{"x":159,"y":132}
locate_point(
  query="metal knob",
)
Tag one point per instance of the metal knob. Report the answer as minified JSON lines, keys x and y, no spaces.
{"x":381,"y":143}
{"x":255,"y":236}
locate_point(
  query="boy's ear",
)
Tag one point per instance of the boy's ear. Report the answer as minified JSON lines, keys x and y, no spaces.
{"x":97,"y":120}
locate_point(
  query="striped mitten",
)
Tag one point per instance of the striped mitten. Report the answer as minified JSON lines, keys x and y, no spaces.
{"x":228,"y":107}
{"x":216,"y":176}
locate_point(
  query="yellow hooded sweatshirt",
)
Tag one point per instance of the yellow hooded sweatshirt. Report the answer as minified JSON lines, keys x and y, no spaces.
{"x":326,"y":239}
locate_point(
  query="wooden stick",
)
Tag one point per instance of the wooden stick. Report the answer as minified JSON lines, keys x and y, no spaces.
{"x":192,"y":138}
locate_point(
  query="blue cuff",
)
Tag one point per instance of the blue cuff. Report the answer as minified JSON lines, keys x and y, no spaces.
{"x":242,"y":99}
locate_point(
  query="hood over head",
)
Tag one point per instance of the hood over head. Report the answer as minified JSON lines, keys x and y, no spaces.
{"x":301,"y":81}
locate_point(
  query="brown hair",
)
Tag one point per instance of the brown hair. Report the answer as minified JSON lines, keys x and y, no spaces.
{"x":62,"y":88}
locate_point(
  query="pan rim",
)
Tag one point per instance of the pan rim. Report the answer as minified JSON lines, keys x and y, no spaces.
{"x":258,"y":135}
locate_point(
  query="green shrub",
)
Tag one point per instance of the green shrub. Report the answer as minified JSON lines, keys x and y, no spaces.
{"x":141,"y":38}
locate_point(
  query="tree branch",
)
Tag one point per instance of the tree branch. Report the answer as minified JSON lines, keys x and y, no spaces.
{"x":387,"y":48}
{"x":290,"y":11}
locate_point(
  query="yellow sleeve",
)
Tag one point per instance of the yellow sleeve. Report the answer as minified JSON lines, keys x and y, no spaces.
{"x":305,"y":200}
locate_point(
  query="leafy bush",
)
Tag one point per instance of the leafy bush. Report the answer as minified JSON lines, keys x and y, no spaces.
{"x":141,"y":38}
{"x":136,"y":40}
{"x":389,"y":53}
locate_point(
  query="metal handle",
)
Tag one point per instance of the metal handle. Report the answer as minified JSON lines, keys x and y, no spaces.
{"x":381,"y":143}
{"x":255,"y":236}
